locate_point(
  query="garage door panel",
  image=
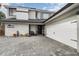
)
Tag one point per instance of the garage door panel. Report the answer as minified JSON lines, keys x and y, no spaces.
{"x":65,"y":32}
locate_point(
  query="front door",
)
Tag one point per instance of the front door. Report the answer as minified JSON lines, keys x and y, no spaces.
{"x":40,"y":29}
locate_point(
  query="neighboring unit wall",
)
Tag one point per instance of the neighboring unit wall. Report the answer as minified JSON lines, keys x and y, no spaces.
{"x":22,"y":28}
{"x":64,"y":31}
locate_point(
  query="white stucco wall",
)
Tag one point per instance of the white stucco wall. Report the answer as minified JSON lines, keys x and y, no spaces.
{"x":33,"y":28}
{"x":22,"y":28}
{"x":21,"y":15}
{"x":63,"y":31}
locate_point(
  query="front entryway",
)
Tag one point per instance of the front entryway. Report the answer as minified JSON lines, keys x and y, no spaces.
{"x":36,"y":29}
{"x":40,"y":29}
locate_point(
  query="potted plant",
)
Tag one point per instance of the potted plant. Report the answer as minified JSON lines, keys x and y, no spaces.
{"x":14,"y":35}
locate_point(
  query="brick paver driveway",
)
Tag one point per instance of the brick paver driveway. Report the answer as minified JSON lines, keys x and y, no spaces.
{"x":33,"y":46}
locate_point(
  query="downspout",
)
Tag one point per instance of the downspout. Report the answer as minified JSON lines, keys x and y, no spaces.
{"x":29,"y":29}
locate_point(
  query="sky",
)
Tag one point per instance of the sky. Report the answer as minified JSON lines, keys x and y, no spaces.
{"x":44,"y":6}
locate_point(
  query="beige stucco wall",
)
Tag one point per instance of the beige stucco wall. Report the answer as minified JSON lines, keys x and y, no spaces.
{"x":22,"y":28}
{"x":32,"y":15}
{"x":63,"y":31}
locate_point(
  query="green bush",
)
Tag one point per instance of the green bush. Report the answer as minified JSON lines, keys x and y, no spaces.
{"x":2,"y":15}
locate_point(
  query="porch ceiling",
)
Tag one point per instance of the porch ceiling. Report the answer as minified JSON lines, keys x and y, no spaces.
{"x":30,"y":21}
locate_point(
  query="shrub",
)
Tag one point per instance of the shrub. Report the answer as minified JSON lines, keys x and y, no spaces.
{"x":2,"y":15}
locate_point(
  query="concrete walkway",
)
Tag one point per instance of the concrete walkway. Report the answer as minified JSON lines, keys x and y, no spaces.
{"x":33,"y":46}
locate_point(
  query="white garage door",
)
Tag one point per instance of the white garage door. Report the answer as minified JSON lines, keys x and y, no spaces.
{"x":65,"y":32}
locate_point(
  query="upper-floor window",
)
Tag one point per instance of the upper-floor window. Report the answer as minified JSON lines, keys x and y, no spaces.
{"x":12,"y":11}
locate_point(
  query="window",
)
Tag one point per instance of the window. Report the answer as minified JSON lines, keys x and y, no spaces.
{"x":11,"y":11}
{"x":10,"y":26}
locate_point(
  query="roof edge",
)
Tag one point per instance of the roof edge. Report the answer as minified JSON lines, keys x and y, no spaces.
{"x":63,"y":8}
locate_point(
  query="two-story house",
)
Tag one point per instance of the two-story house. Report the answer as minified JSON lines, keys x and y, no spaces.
{"x":24,"y":20}
{"x":62,"y":26}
